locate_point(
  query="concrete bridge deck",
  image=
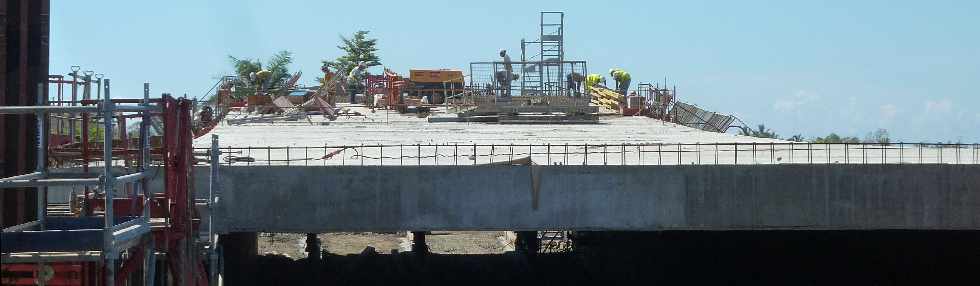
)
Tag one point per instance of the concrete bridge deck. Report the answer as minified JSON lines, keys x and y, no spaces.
{"x":308,"y":199}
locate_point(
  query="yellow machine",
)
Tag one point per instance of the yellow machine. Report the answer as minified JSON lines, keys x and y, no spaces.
{"x":437,"y":84}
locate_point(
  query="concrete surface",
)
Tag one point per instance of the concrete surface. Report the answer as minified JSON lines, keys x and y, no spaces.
{"x":385,"y":127}
{"x":331,"y":199}
{"x":339,"y":143}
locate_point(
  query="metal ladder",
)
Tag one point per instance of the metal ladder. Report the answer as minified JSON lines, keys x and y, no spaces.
{"x":552,"y":46}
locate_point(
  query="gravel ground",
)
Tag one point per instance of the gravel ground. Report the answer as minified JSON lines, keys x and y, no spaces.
{"x":473,"y":242}
{"x":293,"y":245}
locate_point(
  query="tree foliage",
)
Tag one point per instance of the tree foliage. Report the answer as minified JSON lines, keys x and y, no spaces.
{"x":761,"y":132}
{"x":880,"y":136}
{"x":278,"y":64}
{"x":834,"y":138}
{"x":358,"y":49}
{"x":245,"y":69}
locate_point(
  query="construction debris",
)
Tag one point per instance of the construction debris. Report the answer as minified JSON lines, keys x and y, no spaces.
{"x":695,"y":117}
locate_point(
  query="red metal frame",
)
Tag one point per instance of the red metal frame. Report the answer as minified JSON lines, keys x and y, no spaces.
{"x":176,"y":204}
{"x":396,"y":84}
{"x":178,"y":162}
{"x":64,"y":273}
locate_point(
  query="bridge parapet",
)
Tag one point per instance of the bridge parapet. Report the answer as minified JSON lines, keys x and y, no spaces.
{"x":308,"y":199}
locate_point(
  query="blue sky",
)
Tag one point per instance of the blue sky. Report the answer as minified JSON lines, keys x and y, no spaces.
{"x":800,"y":67}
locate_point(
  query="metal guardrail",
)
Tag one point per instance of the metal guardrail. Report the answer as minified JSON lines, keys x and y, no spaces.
{"x":605,"y":154}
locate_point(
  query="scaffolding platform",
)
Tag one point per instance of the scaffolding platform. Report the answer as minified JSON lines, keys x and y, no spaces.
{"x":71,"y":235}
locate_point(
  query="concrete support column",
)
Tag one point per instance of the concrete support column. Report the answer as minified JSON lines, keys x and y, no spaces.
{"x":241,"y":250}
{"x":527,"y":242}
{"x":418,"y":243}
{"x":312,"y":247}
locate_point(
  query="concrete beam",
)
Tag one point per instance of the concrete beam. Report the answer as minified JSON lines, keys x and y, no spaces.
{"x":305,"y":199}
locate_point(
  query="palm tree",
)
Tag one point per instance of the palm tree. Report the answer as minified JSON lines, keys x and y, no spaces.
{"x":248,"y":84}
{"x":761,"y":132}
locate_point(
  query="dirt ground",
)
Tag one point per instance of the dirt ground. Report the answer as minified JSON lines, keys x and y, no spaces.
{"x":293,"y":245}
{"x":472,"y":242}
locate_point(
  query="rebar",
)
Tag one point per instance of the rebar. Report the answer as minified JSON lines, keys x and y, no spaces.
{"x":718,"y":153}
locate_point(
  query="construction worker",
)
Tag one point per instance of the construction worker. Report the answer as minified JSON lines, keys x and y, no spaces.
{"x":206,"y":115}
{"x":593,"y":79}
{"x":328,"y":82}
{"x":507,"y":75}
{"x":574,"y":83}
{"x":355,"y":81}
{"x":327,"y":74}
{"x":259,"y":78}
{"x":622,"y":79}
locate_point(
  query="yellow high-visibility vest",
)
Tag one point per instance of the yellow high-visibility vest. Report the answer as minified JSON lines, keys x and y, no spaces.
{"x":592,"y":79}
{"x":620,"y":75}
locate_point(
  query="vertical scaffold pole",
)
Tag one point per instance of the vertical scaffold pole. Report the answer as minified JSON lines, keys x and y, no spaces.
{"x":108,"y":248}
{"x":42,"y":160}
{"x":214,"y":193}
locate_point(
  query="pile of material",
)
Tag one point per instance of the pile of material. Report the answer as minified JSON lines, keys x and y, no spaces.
{"x":604,"y":97}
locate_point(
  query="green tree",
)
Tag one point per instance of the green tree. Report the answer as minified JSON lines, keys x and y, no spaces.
{"x":358,"y":49}
{"x":761,"y":132}
{"x":278,"y":64}
{"x":247,"y":84}
{"x":834,"y":138}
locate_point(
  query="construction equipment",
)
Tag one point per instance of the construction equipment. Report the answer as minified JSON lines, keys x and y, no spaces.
{"x":659,"y":100}
{"x":633,"y":105}
{"x":394,"y":97}
{"x":216,"y":109}
{"x":437,"y":84}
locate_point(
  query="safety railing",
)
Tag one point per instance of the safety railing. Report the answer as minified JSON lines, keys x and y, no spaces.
{"x":605,"y":154}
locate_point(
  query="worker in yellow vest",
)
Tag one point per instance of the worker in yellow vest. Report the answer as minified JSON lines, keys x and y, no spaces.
{"x":594,"y":79}
{"x":622,"y":79}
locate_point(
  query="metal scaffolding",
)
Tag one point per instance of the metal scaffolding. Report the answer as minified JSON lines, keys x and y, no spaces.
{"x":47,"y":239}
{"x":485,"y":78}
{"x":542,"y":70}
{"x":551,"y":53}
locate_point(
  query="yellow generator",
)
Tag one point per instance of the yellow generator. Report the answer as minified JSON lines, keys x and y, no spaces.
{"x":436,"y":84}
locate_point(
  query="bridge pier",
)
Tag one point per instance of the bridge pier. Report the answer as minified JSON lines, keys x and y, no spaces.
{"x":241,"y":251}
{"x":527,"y":243}
{"x":419,"y":247}
{"x":312,"y":248}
